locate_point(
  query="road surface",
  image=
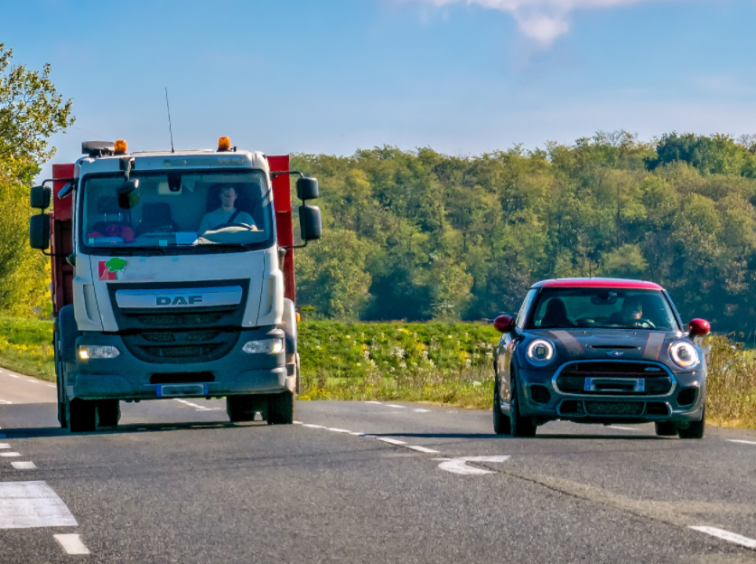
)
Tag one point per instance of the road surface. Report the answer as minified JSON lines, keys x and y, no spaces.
{"x":363,"y":482}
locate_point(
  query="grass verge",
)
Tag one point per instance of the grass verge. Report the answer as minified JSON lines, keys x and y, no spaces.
{"x":448,"y":364}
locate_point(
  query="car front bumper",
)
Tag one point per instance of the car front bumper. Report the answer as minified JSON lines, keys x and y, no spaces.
{"x":609,"y":408}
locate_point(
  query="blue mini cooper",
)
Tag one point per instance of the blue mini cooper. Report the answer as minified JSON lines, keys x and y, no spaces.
{"x":593,"y":350}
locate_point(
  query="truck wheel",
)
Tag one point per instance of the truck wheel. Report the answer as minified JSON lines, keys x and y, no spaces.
{"x":243,"y":408}
{"x":695,"y":430}
{"x":59,"y":379}
{"x":81,"y":415}
{"x":501,"y":422}
{"x":666,"y":429}
{"x":281,"y":409}
{"x":108,"y":413}
{"x":520,"y":426}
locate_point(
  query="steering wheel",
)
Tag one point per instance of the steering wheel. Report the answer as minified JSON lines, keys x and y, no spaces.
{"x":645,"y":324}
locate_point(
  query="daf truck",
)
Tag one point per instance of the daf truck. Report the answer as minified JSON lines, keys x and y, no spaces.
{"x":173,"y":277}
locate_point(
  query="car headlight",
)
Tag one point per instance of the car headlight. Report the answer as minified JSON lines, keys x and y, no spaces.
{"x":683,"y":354}
{"x":97,"y":352}
{"x":266,"y":346}
{"x":540,"y":352}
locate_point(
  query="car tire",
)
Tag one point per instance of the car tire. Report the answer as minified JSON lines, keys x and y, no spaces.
{"x":281,"y":409}
{"x":108,"y":413}
{"x":520,"y":426}
{"x":243,"y":408}
{"x":81,"y":415}
{"x":665,"y":429}
{"x":695,"y":430}
{"x":501,"y":423}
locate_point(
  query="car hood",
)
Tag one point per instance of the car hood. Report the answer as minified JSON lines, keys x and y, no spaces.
{"x":617,"y":344}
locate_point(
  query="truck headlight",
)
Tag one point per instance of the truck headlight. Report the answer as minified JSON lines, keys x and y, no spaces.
{"x":683,"y":354}
{"x":540,"y":352}
{"x":266,"y":346}
{"x":97,"y":352}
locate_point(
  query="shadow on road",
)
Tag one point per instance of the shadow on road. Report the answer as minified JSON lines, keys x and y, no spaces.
{"x":37,"y":432}
{"x":505,"y":437}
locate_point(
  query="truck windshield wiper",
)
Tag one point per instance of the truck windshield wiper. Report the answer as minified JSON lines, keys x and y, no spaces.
{"x":126,"y":250}
{"x":225,"y":245}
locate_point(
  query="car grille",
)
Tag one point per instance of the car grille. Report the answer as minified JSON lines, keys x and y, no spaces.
{"x":614,"y":408}
{"x":620,"y":376}
{"x":580,"y":408}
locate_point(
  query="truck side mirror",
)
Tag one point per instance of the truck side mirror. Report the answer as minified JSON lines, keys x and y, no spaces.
{"x":309,"y":222}
{"x":40,"y":197}
{"x":39,"y":231}
{"x":66,"y":191}
{"x":307,"y":188}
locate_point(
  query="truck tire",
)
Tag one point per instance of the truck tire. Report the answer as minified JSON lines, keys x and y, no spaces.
{"x":243,"y":408}
{"x":108,"y":413}
{"x":81,"y":415}
{"x":281,"y":409}
{"x":59,"y":379}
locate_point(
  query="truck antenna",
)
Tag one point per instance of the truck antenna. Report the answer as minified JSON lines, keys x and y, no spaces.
{"x":170,"y":125}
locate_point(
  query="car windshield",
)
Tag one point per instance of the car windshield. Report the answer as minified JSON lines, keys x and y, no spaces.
{"x":177,"y":209}
{"x":567,"y":308}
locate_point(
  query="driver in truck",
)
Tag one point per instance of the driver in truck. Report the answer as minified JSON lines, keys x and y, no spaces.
{"x":226,"y":213}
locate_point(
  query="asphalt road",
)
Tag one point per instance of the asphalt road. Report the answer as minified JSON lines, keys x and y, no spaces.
{"x":363,"y":482}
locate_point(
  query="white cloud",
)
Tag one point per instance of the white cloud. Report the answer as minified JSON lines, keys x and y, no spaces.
{"x":540,"y":20}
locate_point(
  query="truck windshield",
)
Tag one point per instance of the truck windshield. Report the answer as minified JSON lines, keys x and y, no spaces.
{"x":186,"y":209}
{"x":592,"y":308}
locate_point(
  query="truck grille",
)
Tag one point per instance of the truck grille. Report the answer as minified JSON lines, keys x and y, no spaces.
{"x":181,"y":346}
{"x":178,"y":319}
{"x":614,"y":378}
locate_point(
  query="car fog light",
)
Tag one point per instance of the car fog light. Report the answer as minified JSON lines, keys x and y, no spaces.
{"x":97,"y":352}
{"x":266,"y":346}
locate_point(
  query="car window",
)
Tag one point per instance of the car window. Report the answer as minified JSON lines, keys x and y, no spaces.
{"x":603,"y":308}
{"x":525,"y":307}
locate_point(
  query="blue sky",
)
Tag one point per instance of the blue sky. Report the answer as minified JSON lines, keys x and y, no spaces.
{"x":332,"y":76}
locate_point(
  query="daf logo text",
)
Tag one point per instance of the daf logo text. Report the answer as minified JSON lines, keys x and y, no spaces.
{"x":177,"y":300}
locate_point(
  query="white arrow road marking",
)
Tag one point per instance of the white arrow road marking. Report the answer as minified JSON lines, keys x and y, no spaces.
{"x":727,"y":535}
{"x":459,"y":465}
{"x":71,"y":544}
{"x":25,"y":505}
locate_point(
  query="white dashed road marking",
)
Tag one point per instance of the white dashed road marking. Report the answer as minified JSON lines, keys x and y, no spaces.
{"x":459,"y":465}
{"x":727,"y":535}
{"x":624,"y":428}
{"x":51,"y":386}
{"x":5,"y":402}
{"x":25,"y":505}
{"x":394,"y":405}
{"x":9,"y":454}
{"x":421,"y":410}
{"x":190,"y":404}
{"x":4,"y":445}
{"x":72,"y":544}
{"x":391,"y":441}
{"x":23,"y":465}
{"x":742,"y":442}
{"x":374,"y":402}
{"x":423,"y":449}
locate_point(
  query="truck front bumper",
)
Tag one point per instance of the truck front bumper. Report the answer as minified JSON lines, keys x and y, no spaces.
{"x":127,"y":377}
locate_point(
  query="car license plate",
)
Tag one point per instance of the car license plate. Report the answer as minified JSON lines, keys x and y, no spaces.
{"x":180,"y":390}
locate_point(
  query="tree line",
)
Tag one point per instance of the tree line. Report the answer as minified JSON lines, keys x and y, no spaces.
{"x":418,"y":235}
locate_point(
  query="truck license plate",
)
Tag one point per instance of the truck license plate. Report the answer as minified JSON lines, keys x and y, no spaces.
{"x":180,"y":390}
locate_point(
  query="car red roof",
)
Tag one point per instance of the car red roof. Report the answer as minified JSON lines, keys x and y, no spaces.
{"x":597,"y":283}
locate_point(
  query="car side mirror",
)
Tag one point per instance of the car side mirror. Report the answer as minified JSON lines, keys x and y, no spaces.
{"x":699,"y":328}
{"x":307,"y":188}
{"x":39,"y":231}
{"x":40,"y":197}
{"x":310,"y":223}
{"x":504,"y":324}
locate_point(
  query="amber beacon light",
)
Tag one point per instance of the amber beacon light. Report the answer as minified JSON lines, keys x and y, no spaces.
{"x":224,"y":143}
{"x":121,"y":146}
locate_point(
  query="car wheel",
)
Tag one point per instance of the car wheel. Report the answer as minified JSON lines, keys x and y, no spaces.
{"x":500,"y":421}
{"x":80,"y":415}
{"x":666,"y":429}
{"x":520,"y":426}
{"x":695,"y":430}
